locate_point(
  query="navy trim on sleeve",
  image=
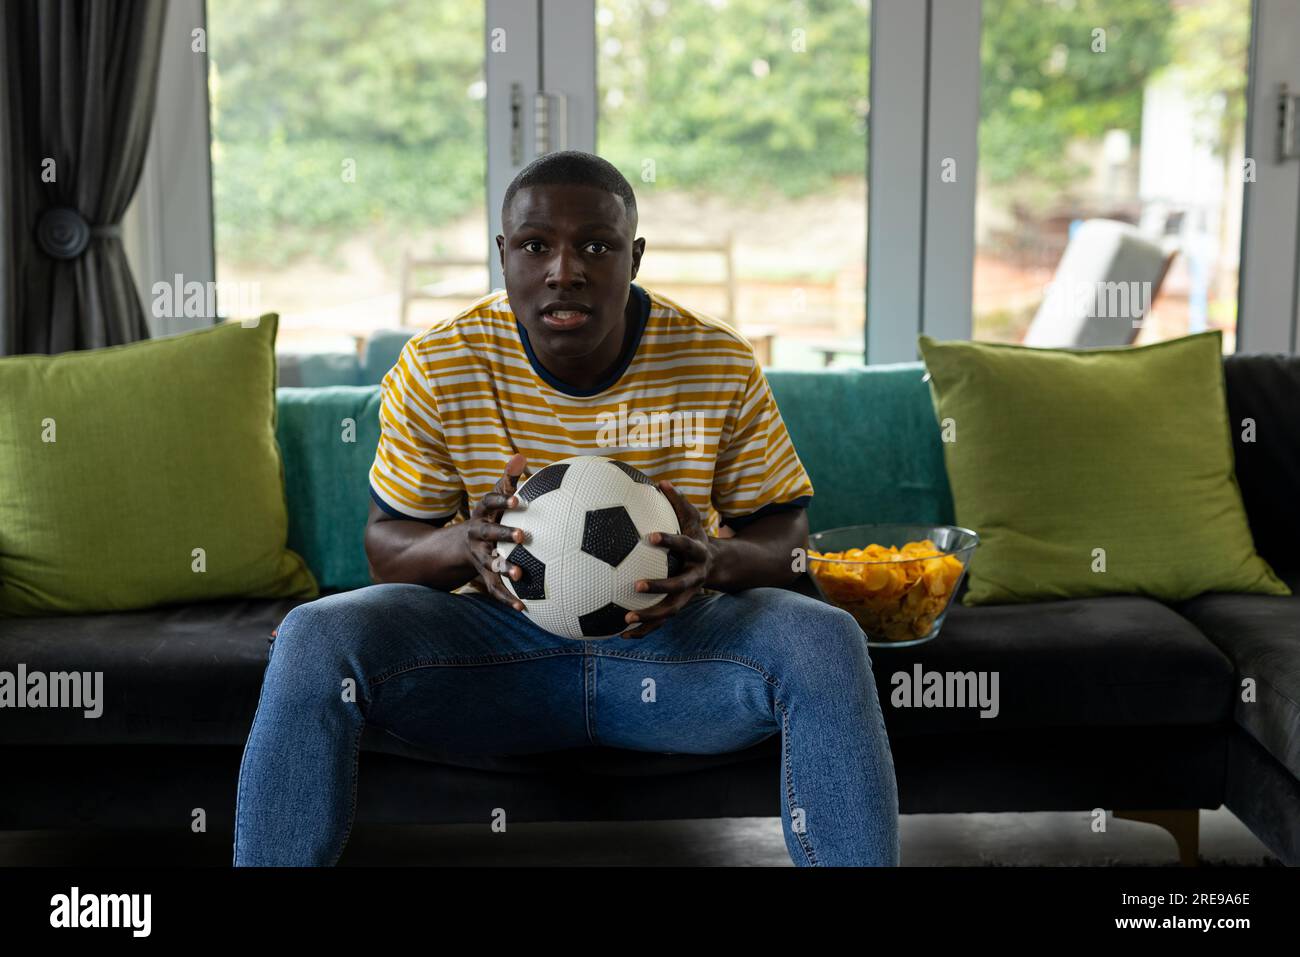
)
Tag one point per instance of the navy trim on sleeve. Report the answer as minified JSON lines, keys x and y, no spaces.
{"x":435,"y":522}
{"x":740,"y":521}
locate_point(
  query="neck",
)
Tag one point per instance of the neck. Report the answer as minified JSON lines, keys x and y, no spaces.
{"x":586,"y":372}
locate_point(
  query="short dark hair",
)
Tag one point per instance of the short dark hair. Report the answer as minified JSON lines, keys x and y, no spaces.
{"x":573,"y":168}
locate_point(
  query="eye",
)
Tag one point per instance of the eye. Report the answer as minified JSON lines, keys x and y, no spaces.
{"x":597,"y":242}
{"x":530,"y":243}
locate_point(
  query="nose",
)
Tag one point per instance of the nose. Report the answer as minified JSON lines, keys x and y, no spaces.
{"x":566,"y":270}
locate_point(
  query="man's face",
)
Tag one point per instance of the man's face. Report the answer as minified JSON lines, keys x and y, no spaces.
{"x":569,"y":258}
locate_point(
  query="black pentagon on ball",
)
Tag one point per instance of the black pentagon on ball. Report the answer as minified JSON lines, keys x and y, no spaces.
{"x":603,"y":621}
{"x":547,"y":480}
{"x":634,"y":473}
{"x":532,"y":577}
{"x":609,"y":534}
{"x":674,"y":564}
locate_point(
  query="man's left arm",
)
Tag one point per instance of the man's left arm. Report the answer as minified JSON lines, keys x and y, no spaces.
{"x":762,"y":554}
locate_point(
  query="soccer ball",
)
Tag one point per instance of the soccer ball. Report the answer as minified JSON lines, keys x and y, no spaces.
{"x":589,"y":519}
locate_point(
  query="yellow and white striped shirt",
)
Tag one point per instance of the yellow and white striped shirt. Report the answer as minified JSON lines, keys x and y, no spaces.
{"x":687,"y":402}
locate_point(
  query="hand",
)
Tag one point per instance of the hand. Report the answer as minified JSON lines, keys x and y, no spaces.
{"x":482,"y":533}
{"x":696,"y":556}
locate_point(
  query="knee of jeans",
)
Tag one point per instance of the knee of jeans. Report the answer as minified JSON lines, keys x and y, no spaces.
{"x":327,"y":628}
{"x":819,"y":636}
{"x":340,"y":623}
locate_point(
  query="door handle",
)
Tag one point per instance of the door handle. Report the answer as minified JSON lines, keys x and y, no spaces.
{"x":1287,"y":105}
{"x":550,"y":122}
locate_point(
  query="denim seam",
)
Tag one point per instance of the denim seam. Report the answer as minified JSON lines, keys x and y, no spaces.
{"x":589,"y":696}
{"x":791,"y":801}
{"x":681,"y":660}
{"x":465,"y":662}
{"x":239,"y":787}
{"x":687,"y":659}
{"x":352,"y":801}
{"x":804,"y":843}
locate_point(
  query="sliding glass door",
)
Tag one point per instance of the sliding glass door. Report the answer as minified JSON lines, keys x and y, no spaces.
{"x":1110,"y":112}
{"x":742,"y":125}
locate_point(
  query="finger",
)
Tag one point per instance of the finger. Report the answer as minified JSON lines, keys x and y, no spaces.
{"x":488,"y":561}
{"x":514,"y":469}
{"x":670,"y":586}
{"x":498,"y":590}
{"x":640,"y":632}
{"x":498,"y":501}
{"x":505,"y":486}
{"x":503,"y":567}
{"x":656,"y":614}
{"x":689,"y":547}
{"x":640,"y":628}
{"x":687,"y":514}
{"x":485,"y":531}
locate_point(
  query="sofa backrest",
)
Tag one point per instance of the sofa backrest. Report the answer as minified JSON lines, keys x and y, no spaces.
{"x":1264,"y":419}
{"x":328,"y":438}
{"x":867,"y":437}
{"x":869,"y":440}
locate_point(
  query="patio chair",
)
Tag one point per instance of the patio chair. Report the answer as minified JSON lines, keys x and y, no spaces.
{"x":1103,"y":288}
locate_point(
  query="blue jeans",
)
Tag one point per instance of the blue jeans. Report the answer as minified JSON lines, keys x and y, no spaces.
{"x":466,"y":674}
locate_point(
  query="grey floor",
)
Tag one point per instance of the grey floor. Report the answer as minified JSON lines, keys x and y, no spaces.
{"x":1049,"y":839}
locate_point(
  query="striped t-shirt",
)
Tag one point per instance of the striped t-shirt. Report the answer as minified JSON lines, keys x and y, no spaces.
{"x":686,"y":402}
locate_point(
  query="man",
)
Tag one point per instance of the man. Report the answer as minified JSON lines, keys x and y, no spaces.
{"x":440,"y":655}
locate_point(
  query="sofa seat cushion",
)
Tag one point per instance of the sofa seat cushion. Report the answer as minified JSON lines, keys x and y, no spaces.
{"x":1260,"y":634}
{"x":1110,"y":661}
{"x":192,"y":674}
{"x":176,"y":674}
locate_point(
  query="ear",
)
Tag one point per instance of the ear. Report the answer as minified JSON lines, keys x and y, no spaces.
{"x":638,"y":250}
{"x":501,"y":251}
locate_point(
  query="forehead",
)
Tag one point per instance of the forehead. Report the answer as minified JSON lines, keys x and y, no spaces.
{"x":564,"y":207}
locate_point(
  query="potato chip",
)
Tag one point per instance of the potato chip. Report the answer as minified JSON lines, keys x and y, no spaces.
{"x":896,"y":594}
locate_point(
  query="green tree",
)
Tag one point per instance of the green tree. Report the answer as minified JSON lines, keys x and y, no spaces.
{"x":741,"y":98}
{"x":1043,"y":84}
{"x":298,"y":88}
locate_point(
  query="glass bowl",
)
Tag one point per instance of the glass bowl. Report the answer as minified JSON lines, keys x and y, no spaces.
{"x":896,"y":580}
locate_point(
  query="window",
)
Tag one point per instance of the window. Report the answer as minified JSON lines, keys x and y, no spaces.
{"x":1129,"y":111}
{"x":742,"y":126}
{"x":348,"y":140}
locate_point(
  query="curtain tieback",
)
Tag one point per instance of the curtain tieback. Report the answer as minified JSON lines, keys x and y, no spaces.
{"x":63,"y":233}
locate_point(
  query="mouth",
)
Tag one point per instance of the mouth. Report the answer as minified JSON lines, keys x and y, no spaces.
{"x":565,"y":317}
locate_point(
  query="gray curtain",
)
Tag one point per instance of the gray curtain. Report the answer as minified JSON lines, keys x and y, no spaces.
{"x":78,"y":82}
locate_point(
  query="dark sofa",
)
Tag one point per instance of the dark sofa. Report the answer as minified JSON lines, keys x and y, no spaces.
{"x":1121,"y":703}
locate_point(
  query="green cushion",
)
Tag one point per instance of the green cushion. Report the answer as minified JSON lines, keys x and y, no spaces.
{"x":327,"y":477}
{"x":1059,"y":453}
{"x":869,"y":441}
{"x":159,"y":448}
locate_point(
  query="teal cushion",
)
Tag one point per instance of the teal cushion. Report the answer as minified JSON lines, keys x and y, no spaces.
{"x":317,"y":369}
{"x":327,"y":477}
{"x":869,"y":439}
{"x":382,"y":349}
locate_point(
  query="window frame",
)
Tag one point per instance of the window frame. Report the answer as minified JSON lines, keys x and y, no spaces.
{"x":925,"y":68}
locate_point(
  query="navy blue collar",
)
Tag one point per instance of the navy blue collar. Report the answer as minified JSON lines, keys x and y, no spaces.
{"x":625,"y":360}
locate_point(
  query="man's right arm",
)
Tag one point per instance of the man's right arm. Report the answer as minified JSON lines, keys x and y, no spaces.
{"x":404,"y":550}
